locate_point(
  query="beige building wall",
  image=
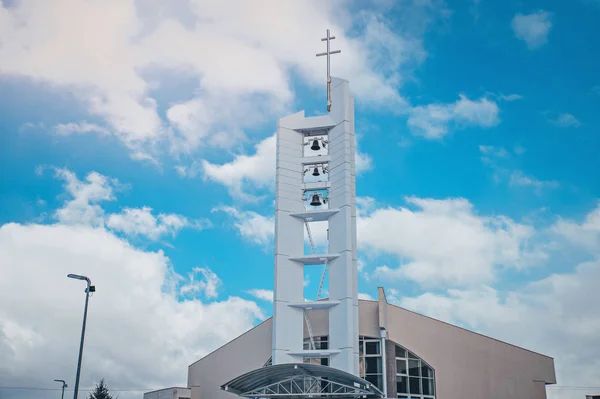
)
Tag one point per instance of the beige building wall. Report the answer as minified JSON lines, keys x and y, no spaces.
{"x":466,"y":364}
{"x":169,"y":393}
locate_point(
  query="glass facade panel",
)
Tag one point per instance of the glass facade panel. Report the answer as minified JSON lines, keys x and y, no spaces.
{"x":428,"y":386}
{"x":401,"y":367}
{"x":372,"y":348}
{"x":426,"y":371}
{"x":375,"y":379}
{"x":414,"y":367}
{"x":373,"y":365}
{"x":415,"y":385}
{"x":370,"y":361}
{"x":400,"y":351}
{"x":402,"y":384}
{"x":414,"y":378}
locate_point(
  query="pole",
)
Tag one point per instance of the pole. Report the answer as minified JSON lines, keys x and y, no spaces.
{"x":328,"y":75}
{"x":64,"y":385}
{"x":87,"y":297}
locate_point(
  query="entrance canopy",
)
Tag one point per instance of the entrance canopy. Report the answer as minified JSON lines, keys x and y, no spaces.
{"x":301,"y":380}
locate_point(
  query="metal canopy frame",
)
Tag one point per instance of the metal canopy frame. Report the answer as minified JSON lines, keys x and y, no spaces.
{"x":301,"y":380}
{"x":307,"y":386}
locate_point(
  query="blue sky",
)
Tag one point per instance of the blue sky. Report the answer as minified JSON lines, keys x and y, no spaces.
{"x":147,"y":127}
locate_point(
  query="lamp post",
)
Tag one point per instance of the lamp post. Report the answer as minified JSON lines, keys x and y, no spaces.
{"x":64,"y":385}
{"x":88,"y":290}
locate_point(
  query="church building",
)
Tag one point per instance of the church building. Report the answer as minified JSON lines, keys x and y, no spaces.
{"x":335,"y":345}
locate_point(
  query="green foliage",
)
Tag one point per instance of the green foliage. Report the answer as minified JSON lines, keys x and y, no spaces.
{"x":100,"y":391}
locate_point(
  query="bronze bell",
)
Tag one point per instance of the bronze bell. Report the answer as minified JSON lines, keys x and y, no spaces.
{"x":316,"y":201}
{"x":315,"y":145}
{"x":316,"y":172}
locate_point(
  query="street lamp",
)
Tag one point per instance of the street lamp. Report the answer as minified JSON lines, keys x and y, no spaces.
{"x":88,"y":290}
{"x":64,"y":385}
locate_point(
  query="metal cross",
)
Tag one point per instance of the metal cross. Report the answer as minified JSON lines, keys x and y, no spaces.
{"x":328,"y":53}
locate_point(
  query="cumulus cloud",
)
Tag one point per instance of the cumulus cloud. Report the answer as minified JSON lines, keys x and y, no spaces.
{"x":66,"y":129}
{"x":262,"y":294}
{"x":256,"y":170}
{"x":532,"y":28}
{"x":584,"y":235}
{"x":446,"y":242}
{"x":141,"y":222}
{"x":434,"y":121}
{"x":518,"y":178}
{"x":367,"y":297}
{"x":140,"y":333}
{"x":239,"y":60}
{"x":252,"y":226}
{"x":207,"y":285}
{"x":566,"y":120}
{"x":83,"y":207}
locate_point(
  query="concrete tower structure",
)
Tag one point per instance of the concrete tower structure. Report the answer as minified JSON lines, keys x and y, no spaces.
{"x":327,"y":144}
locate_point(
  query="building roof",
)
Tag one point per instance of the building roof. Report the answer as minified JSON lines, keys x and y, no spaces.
{"x":301,"y":380}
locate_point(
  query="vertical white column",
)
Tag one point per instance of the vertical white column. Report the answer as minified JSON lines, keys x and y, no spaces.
{"x":288,"y":324}
{"x":288,"y":321}
{"x":343,"y":318}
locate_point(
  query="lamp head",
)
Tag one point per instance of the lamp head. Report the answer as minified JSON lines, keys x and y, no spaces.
{"x":79,"y":277}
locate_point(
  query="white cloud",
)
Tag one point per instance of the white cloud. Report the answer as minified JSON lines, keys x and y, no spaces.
{"x":134,"y":318}
{"x":363,"y":162}
{"x":518,"y":178}
{"x":141,"y":222}
{"x":207,"y":285}
{"x":446,"y":242}
{"x":434,"y":121}
{"x":83,"y":208}
{"x":265,"y":295}
{"x":585,"y":234}
{"x":566,"y":120}
{"x":240,"y":59}
{"x":489,"y":152}
{"x":510,"y":97}
{"x":532,"y":28}
{"x":366,"y":297}
{"x":257,"y":169}
{"x":253,"y":227}
{"x":66,"y":129}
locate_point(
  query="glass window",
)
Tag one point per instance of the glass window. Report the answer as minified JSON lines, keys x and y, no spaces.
{"x":373,"y":365}
{"x":400,"y":351}
{"x":372,"y":348}
{"x":415,"y":385}
{"x":414,"y":367}
{"x":428,"y":386}
{"x":401,"y":367}
{"x":414,"y":378}
{"x":426,"y":371}
{"x":374,"y":379}
{"x":402,"y":384}
{"x":370,"y":360}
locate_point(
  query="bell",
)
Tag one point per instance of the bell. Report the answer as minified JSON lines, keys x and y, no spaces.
{"x":316,"y":172}
{"x":316,"y":201}
{"x":315,"y":145}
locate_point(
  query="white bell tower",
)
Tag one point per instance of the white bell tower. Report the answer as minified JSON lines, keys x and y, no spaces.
{"x":326,"y":143}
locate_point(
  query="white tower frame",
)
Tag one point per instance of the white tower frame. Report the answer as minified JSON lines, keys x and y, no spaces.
{"x":290,"y":216}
